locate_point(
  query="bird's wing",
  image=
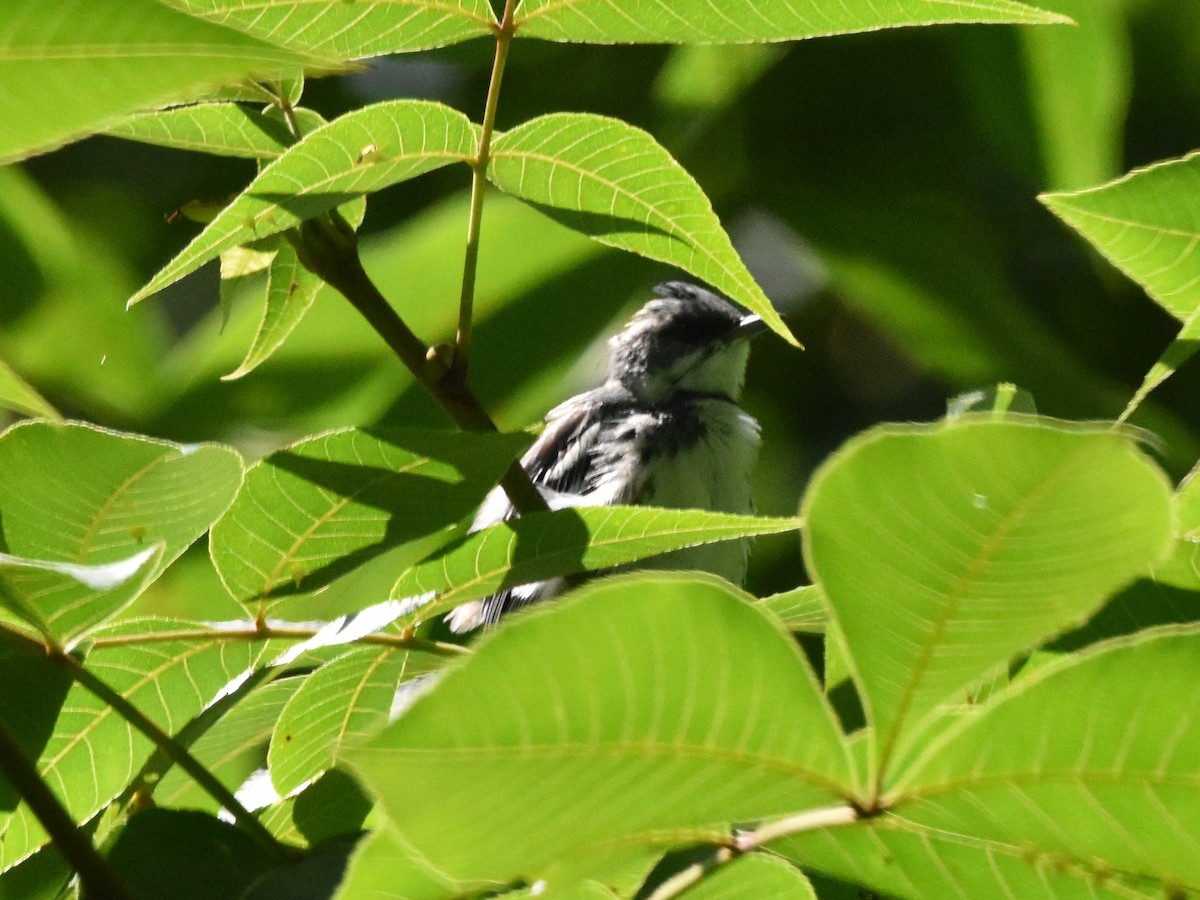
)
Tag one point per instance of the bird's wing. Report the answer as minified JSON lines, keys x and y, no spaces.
{"x":567,"y":464}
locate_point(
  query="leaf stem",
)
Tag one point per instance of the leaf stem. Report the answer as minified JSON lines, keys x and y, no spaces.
{"x":479,"y":165}
{"x":174,"y":751}
{"x":95,"y":877}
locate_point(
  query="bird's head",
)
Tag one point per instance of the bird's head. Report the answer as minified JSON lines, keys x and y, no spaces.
{"x":687,"y":339}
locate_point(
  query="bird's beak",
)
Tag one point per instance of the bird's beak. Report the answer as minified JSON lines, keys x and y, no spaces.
{"x":749,"y":326}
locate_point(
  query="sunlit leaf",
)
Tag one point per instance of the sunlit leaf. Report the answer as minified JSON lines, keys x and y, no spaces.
{"x":800,"y":609}
{"x":945,"y":550}
{"x":363,"y":151}
{"x":78,"y":502}
{"x":617,"y":184}
{"x":538,"y":546}
{"x":318,"y":509}
{"x":754,"y":877}
{"x":662,"y":705}
{"x":342,"y":702}
{"x":93,"y":753}
{"x":75,"y":66}
{"x":223,"y":129}
{"x":744,"y":21}
{"x":341,"y":30}
{"x":1147,"y":224}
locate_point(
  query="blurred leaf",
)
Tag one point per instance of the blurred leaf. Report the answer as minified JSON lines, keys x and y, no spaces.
{"x":644,"y":699}
{"x":18,"y":395}
{"x":959,"y":546}
{"x":223,"y":129}
{"x":1144,"y":223}
{"x":701,"y":76}
{"x":79,"y":495}
{"x":93,"y":753}
{"x":341,"y":30}
{"x":340,"y":704}
{"x":618,"y":185}
{"x":565,"y":541}
{"x":319,"y":508}
{"x":72,"y":276}
{"x":385,"y":867}
{"x":1079,"y":79}
{"x":187,"y":855}
{"x":743,"y":21}
{"x":74,"y":66}
{"x":363,"y":151}
{"x":754,"y":877}
{"x":1118,"y":791}
{"x":291,"y":290}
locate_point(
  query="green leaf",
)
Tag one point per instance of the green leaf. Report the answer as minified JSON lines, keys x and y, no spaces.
{"x":71,"y":67}
{"x":1145,"y":223}
{"x":291,"y":290}
{"x":1090,"y":760}
{"x":754,"y":877}
{"x":19,"y":396}
{"x":662,"y":705}
{"x":1079,"y":81}
{"x":340,"y":704}
{"x":360,"y":152}
{"x":945,"y":550}
{"x":618,"y":185}
{"x":339,"y":30}
{"x":385,"y":867}
{"x":743,"y":21}
{"x":316,"y":510}
{"x":902,"y":859}
{"x":93,"y":753}
{"x":187,"y":855}
{"x":333,"y":806}
{"x":78,"y":495}
{"x":800,"y":609}
{"x":565,"y":541}
{"x":223,"y":129}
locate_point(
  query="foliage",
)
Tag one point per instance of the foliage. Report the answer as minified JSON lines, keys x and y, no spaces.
{"x":987,"y":689}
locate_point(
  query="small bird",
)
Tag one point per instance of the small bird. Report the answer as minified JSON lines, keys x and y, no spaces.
{"x":664,"y":429}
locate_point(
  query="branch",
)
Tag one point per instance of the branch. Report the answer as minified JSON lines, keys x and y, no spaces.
{"x":95,"y":877}
{"x":174,"y":751}
{"x":745,"y":841}
{"x":328,"y":247}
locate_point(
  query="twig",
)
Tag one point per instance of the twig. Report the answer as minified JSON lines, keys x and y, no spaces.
{"x":96,"y":879}
{"x":174,"y":751}
{"x":328,"y":247}
{"x":745,"y":841}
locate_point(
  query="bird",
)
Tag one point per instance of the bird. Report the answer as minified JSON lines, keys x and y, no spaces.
{"x":664,"y":429}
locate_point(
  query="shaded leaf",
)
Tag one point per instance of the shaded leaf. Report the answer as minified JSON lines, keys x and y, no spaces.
{"x":341,"y":30}
{"x":93,"y":753}
{"x":1146,"y":224}
{"x":662,"y":705}
{"x":71,"y":67}
{"x":562,"y":542}
{"x":744,"y":21}
{"x":384,"y":866}
{"x":19,"y":396}
{"x":320,"y":508}
{"x":617,"y":184}
{"x":291,"y":290}
{"x":340,"y":704}
{"x":76,"y":501}
{"x":946,"y":550}
{"x":360,"y":152}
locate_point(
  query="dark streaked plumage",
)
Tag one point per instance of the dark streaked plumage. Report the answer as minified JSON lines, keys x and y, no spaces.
{"x":663,"y":430}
